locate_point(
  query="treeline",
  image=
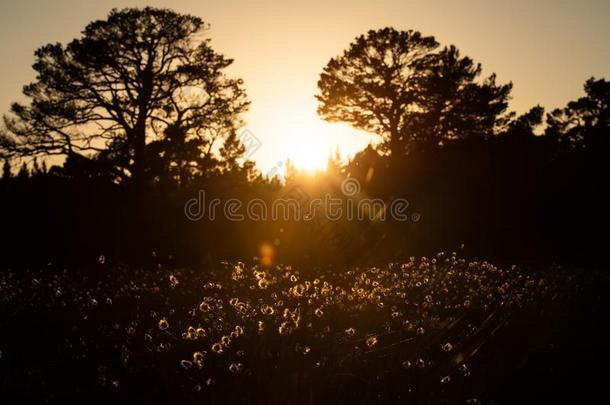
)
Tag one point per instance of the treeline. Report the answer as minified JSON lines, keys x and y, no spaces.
{"x":143,"y":114}
{"x":517,"y":196}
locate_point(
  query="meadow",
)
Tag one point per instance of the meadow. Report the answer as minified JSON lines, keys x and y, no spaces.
{"x":429,"y":330}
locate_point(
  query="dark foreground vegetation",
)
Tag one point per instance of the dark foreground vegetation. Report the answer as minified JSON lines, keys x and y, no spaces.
{"x":436,"y":330}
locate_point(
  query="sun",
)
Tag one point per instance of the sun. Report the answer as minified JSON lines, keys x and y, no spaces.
{"x":310,"y":142}
{"x":311,"y":153}
{"x":294,"y":131}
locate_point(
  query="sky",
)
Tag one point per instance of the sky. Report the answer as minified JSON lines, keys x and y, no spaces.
{"x":547,"y":48}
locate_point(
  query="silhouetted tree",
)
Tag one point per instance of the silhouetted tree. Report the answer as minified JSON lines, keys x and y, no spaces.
{"x":586,"y":121}
{"x":452,"y":104}
{"x":6,"y":170}
{"x":135,"y":76}
{"x":24,"y":172}
{"x":523,"y":127}
{"x":394,"y":84}
{"x":333,"y":164}
{"x":36,"y":171}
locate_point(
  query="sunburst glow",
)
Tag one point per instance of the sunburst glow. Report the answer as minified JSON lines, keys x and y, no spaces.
{"x":302,"y":137}
{"x":312,"y":144}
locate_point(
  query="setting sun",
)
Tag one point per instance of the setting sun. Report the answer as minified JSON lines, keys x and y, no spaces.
{"x":312,"y":143}
{"x":300,"y":136}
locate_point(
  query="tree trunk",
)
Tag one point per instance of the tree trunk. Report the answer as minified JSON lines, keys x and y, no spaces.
{"x":139,"y":148}
{"x":396,"y":151}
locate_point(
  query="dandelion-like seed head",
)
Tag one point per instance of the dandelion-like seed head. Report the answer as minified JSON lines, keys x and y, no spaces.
{"x":163,"y":324}
{"x":236,"y":367}
{"x":198,"y":357}
{"x":371,"y":342}
{"x":173,"y":281}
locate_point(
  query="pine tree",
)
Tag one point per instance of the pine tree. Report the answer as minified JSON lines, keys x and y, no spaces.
{"x":24,"y":172}
{"x":129,"y":76}
{"x":6,"y":170}
{"x":36,"y":168}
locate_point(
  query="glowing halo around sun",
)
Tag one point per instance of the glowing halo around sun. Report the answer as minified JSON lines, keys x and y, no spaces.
{"x":310,"y":143}
{"x":291,"y":130}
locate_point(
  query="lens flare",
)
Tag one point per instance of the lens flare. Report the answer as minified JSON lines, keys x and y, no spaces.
{"x":267,"y":254}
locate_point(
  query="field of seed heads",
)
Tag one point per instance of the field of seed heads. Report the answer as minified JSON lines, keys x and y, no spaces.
{"x":438,"y":329}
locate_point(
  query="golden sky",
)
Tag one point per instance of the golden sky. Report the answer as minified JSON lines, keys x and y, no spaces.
{"x":548,"y":49}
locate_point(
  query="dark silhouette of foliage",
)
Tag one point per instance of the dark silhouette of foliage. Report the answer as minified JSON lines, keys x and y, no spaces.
{"x":397,"y":85}
{"x":24,"y":172}
{"x":6,"y":170}
{"x":139,"y":75}
{"x":584,"y":122}
{"x":523,"y":127}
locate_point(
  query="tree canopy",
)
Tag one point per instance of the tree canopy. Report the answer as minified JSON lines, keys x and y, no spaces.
{"x":398,"y":85}
{"x":139,"y":76}
{"x":585,"y":121}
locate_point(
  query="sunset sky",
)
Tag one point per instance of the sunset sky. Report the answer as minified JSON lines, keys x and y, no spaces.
{"x":548,"y":50}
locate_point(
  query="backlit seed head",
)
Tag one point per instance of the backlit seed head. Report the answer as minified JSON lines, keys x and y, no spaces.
{"x":198,"y":356}
{"x":163,"y":324}
{"x":371,"y":342}
{"x":236,"y":367}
